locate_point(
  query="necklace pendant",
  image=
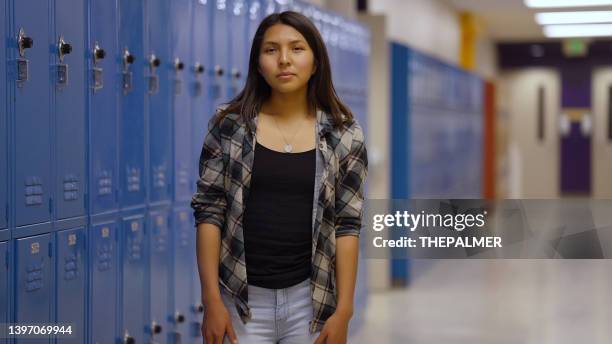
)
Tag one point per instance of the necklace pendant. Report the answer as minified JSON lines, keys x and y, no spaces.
{"x":288,"y":148}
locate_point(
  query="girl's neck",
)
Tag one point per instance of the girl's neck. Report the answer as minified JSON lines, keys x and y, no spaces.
{"x":287,"y":106}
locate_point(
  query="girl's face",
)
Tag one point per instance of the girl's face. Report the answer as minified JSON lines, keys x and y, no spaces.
{"x":286,"y":61}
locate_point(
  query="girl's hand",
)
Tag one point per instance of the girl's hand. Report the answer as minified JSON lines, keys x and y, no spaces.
{"x":217,"y":322}
{"x":335,"y":330}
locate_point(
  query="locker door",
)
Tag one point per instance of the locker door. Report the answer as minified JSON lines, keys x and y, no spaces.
{"x":32,"y":118}
{"x":133,"y":282}
{"x":4,"y":287}
{"x":181,"y":49}
{"x":239,"y":53}
{"x":132,"y":108}
{"x":159,"y":279}
{"x":70,"y":108}
{"x":160,"y":96}
{"x":103,"y":260}
{"x":182,"y":270}
{"x":71,"y":282}
{"x":34,"y":281}
{"x":201,"y":107}
{"x":220,"y":62}
{"x":102,"y":75}
{"x":3,"y":122}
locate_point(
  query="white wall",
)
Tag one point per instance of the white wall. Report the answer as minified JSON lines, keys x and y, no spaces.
{"x":602,"y":147}
{"x":426,"y":25}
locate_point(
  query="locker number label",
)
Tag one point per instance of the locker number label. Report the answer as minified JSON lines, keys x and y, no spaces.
{"x":105,"y":232}
{"x":135,"y":226}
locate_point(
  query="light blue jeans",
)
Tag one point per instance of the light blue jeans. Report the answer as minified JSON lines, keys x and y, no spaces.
{"x":278,"y":316}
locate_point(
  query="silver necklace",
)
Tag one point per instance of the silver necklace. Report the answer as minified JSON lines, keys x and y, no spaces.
{"x":288,"y":147}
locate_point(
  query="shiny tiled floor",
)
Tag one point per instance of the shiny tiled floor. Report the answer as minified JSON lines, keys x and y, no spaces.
{"x":495,"y":301}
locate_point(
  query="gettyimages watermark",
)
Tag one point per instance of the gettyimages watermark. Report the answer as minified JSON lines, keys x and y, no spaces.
{"x":476,"y":228}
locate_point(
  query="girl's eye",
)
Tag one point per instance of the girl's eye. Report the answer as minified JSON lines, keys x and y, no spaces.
{"x":298,"y":48}
{"x":269,"y":50}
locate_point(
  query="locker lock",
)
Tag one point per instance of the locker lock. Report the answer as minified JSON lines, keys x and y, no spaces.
{"x":157,"y":329}
{"x":199,"y":69}
{"x":98,"y":53}
{"x":129,"y":340}
{"x":199,"y":308}
{"x":24,"y":42}
{"x":179,"y":318}
{"x":154,"y":61}
{"x":178,"y":64}
{"x":128,"y":58}
{"x":235,"y":73}
{"x":218,"y":70}
{"x":63,"y":48}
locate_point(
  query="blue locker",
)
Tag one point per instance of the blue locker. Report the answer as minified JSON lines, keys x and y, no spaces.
{"x":159,"y":278}
{"x":220,"y":71}
{"x":70,"y":282}
{"x":33,"y":291}
{"x":201,"y":106}
{"x":103,"y":96}
{"x":4,"y":287}
{"x":181,"y":51}
{"x":133,"y":279}
{"x":103,"y":261}
{"x":159,"y":89}
{"x":183,"y":271}
{"x":239,"y":53}
{"x":3,"y":123}
{"x":132,"y":125}
{"x":31,"y":81}
{"x":255,"y":10}
{"x":70,"y":92}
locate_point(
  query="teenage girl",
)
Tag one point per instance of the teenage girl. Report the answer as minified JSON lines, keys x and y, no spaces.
{"x":279,"y":200}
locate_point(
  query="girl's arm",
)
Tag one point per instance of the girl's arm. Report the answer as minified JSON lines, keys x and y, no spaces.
{"x":347,"y":250}
{"x":208,"y":246}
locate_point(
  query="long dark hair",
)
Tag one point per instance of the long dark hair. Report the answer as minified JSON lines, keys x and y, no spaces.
{"x":321,"y":93}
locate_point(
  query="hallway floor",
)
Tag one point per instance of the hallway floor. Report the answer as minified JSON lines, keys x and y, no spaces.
{"x":497,"y":302}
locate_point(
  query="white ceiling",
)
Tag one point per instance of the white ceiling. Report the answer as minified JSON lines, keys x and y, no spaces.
{"x":505,"y":20}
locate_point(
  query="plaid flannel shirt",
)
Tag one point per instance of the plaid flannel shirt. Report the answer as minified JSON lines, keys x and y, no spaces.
{"x":226,"y":163}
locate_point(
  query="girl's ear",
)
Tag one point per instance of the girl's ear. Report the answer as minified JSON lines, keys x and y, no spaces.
{"x":314,"y":69}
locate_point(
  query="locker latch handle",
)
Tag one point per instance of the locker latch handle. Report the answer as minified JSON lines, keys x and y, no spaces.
{"x":179,"y":318}
{"x":24,"y":42}
{"x":235,"y":73}
{"x":156,"y":328}
{"x":128,"y":58}
{"x":218,"y":70}
{"x":63,"y":48}
{"x":98,"y":53}
{"x":154,"y":61}
{"x":199,"y":69}
{"x":178,"y":64}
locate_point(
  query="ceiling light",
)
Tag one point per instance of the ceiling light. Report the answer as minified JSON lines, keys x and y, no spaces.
{"x":566,"y":3}
{"x":585,"y":30}
{"x":585,"y":17}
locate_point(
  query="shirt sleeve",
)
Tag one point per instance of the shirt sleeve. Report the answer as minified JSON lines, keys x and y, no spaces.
{"x":209,"y":201}
{"x":353,"y":170}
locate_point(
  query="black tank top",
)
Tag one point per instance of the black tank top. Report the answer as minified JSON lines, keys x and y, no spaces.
{"x":278,"y":218}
